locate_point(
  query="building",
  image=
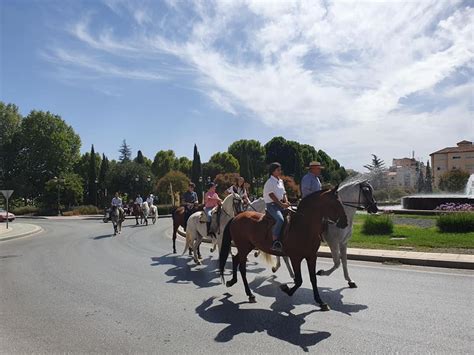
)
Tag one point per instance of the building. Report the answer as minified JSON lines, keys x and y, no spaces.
{"x":403,"y":173}
{"x":460,"y":157}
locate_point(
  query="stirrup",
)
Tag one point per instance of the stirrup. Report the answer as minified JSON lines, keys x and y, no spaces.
{"x":277,"y":246}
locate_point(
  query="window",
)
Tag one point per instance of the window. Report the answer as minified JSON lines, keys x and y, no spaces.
{"x":438,"y":168}
{"x":457,"y":157}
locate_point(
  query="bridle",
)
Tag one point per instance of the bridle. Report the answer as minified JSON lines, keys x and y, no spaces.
{"x":364,"y":189}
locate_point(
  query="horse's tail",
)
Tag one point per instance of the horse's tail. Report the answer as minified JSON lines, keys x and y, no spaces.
{"x":189,"y":239}
{"x":267,"y":258}
{"x":225,"y":249}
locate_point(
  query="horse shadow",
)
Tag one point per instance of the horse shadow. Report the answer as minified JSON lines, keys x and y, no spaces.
{"x":303,"y":296}
{"x":285,"y":327}
{"x":184,"y":272}
{"x":99,"y":237}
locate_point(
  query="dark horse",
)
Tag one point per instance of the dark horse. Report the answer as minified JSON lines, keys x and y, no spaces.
{"x":179,"y":219}
{"x":251,"y":230}
{"x":137,"y":212}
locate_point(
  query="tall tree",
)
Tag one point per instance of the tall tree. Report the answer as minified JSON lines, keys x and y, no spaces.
{"x":10,"y":125}
{"x":226,"y":162}
{"x":139,"y":159}
{"x":184,"y":165}
{"x":287,"y":153}
{"x":103,"y":173}
{"x":196,"y":172}
{"x":92,"y":180}
{"x":428,"y":178}
{"x":163,"y":163}
{"x":125,"y":152}
{"x":377,"y":171}
{"x":251,"y":157}
{"x":45,"y":147}
{"x":420,"y":181}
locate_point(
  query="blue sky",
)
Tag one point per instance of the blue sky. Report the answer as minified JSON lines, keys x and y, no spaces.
{"x":349,"y":78}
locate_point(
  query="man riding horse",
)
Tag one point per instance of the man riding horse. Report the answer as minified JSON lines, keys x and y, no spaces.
{"x":190,"y":202}
{"x":117,"y":203}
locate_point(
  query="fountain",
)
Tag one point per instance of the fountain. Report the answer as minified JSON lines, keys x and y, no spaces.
{"x":430,"y":202}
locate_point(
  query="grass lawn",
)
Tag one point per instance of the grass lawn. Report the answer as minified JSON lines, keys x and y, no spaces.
{"x":420,"y":239}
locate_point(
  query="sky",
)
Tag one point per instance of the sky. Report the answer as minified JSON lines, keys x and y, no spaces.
{"x":350,"y":78}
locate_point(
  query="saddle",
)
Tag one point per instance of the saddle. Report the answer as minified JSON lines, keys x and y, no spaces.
{"x":267,"y":218}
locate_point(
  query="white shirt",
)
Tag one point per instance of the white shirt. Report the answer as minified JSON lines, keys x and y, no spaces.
{"x":117,"y":201}
{"x":149,"y":200}
{"x":276,"y":186}
{"x":139,"y":201}
{"x":240,"y":191}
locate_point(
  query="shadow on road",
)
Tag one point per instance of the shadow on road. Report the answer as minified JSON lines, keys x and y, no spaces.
{"x":103,"y":236}
{"x":303,"y":296}
{"x":285,"y":327}
{"x":184,"y":270}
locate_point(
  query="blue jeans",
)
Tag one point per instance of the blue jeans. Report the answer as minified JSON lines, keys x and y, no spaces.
{"x":276,"y":212}
{"x":207,"y":211}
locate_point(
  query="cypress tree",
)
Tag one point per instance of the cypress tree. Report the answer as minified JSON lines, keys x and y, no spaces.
{"x":104,"y":168}
{"x":420,"y":182}
{"x":92,"y":177}
{"x":196,"y":172}
{"x":139,"y":159}
{"x":428,"y":178}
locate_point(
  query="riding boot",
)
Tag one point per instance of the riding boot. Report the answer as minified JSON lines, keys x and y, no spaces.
{"x":208,"y":225}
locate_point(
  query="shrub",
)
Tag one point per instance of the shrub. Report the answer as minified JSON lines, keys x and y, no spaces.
{"x":19,"y":211}
{"x":82,"y":210}
{"x":462,"y":222}
{"x":165,"y":209}
{"x":374,"y":225}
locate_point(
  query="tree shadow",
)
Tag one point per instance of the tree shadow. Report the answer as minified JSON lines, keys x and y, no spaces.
{"x":280,"y":326}
{"x":303,"y":296}
{"x":184,"y":271}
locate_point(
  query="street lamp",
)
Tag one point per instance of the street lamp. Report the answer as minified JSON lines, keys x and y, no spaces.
{"x":148,"y":179}
{"x":202,"y":187}
{"x":96,"y":192}
{"x":57,"y":181}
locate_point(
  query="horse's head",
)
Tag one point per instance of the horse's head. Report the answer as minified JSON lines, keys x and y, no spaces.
{"x":333,"y":207}
{"x":233,"y":204}
{"x":367,"y":197}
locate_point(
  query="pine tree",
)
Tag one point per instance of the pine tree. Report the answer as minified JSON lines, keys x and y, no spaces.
{"x":428,"y":178}
{"x":140,"y":159}
{"x":125,"y":152}
{"x":377,"y":170}
{"x":196,"y":172}
{"x":92,"y":177}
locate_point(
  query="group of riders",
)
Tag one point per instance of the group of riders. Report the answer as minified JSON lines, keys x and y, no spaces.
{"x":274,"y":195}
{"x":118,"y":203}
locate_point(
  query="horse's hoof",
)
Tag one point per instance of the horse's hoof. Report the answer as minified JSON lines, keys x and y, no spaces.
{"x":352,"y":284}
{"x":274,"y":269}
{"x":252,"y":299}
{"x":324,"y":307}
{"x":320,"y":272}
{"x":285,"y":288}
{"x":174,"y":251}
{"x":231,"y":283}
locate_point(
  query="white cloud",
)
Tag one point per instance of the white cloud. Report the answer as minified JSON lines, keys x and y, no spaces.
{"x":334,"y":73}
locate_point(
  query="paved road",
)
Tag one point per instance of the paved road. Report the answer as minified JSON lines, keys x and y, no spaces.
{"x":75,"y":289}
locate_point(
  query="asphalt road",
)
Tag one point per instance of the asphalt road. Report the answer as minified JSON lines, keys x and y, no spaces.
{"x":73,"y":288}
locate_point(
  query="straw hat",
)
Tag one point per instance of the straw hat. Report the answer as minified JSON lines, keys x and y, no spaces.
{"x":315,"y":163}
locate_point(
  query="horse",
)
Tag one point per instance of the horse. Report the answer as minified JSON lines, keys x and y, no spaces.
{"x":179,"y":215}
{"x":301,"y":239}
{"x":116,"y":220}
{"x":197,"y":228}
{"x":145,"y":212}
{"x":257,"y":205}
{"x":138,"y":213}
{"x":153,"y":213}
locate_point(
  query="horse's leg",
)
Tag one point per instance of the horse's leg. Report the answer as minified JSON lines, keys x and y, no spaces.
{"x":351,"y":283}
{"x":277,"y":266}
{"x":336,"y":257}
{"x":175,"y":229}
{"x":296,"y":263}
{"x":288,"y":266}
{"x":235,"y":265}
{"x":312,"y":276}
{"x":136,"y":219}
{"x":199,"y":249}
{"x":243,"y":273}
{"x":195,"y":247}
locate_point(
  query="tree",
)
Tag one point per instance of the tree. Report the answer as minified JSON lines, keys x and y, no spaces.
{"x":103,"y":173}
{"x":71,"y":191}
{"x":210,"y":170}
{"x":287,"y":153}
{"x":224,"y":181}
{"x":130,"y":178}
{"x":226,"y":162}
{"x":251,"y":157}
{"x":377,"y":171}
{"x":10,"y":124}
{"x":428,"y":178}
{"x":44,"y":147}
{"x":184,"y":165}
{"x":125,"y":152}
{"x":92,"y":177}
{"x":177,"y":180}
{"x":139,"y":159}
{"x":420,"y":180}
{"x":163,"y":163}
{"x":454,"y":181}
{"x":196,"y":172}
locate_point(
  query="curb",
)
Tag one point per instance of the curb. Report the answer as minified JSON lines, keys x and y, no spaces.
{"x":452,"y":264}
{"x":36,"y":230}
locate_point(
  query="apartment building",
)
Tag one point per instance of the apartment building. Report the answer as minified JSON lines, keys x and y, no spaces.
{"x":451,"y":158}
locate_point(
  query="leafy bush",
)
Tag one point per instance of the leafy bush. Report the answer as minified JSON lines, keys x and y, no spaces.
{"x":165,"y":209}
{"x":377,"y":225}
{"x":19,"y":211}
{"x":453,"y":181}
{"x":462,"y":222}
{"x":82,"y":210}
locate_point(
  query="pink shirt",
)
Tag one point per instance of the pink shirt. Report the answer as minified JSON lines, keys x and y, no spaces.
{"x":211,"y":199}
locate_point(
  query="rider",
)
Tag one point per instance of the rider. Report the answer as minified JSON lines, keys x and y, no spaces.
{"x":190,"y":200}
{"x":150,"y":200}
{"x":310,"y":182}
{"x":239,"y":188}
{"x":138,"y":200}
{"x":117,"y":202}
{"x":275,"y":197}
{"x":211,"y":200}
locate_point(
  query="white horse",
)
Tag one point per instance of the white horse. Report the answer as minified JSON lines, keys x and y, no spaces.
{"x":257,"y":205}
{"x":153,"y":213}
{"x":146,"y":211}
{"x":353,"y":195}
{"x":196,"y":228}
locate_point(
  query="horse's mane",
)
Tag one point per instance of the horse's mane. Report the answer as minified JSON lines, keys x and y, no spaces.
{"x":309,"y":198}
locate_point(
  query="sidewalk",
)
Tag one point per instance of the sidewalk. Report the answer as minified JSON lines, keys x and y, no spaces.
{"x":457,"y":261}
{"x":17,"y":230}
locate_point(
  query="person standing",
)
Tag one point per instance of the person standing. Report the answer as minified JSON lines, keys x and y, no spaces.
{"x":276,"y":200}
{"x":310,"y":182}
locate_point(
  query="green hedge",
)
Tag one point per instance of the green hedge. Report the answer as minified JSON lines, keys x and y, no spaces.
{"x":462,"y":222}
{"x":82,"y":210}
{"x":165,"y":209}
{"x":19,"y":211}
{"x":377,"y":225}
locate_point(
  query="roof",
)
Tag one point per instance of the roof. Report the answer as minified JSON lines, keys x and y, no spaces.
{"x":463,"y":146}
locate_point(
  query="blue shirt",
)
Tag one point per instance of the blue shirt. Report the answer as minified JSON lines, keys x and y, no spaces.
{"x":309,"y":184}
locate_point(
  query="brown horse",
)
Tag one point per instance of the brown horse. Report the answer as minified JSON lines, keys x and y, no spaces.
{"x":179,"y":215}
{"x":251,"y":230}
{"x":138,"y":213}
